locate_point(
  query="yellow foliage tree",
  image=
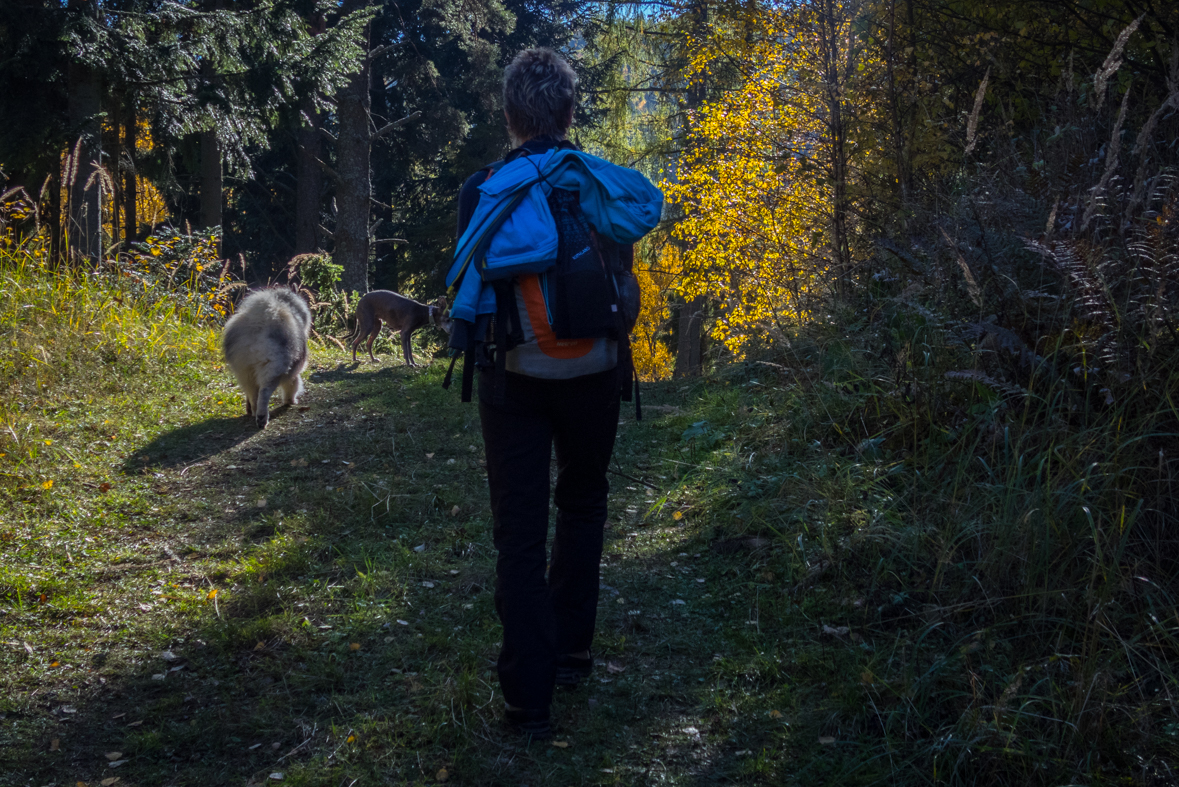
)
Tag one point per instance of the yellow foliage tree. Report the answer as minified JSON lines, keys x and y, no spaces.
{"x":763,"y":184}
{"x":652,"y":358}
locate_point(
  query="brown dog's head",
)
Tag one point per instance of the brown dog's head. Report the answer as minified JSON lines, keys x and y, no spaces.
{"x":439,"y":316}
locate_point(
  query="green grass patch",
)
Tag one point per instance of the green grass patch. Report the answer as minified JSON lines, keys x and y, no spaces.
{"x":803,"y":581}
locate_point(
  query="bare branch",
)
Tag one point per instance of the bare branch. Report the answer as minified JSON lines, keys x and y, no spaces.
{"x":382,"y":241}
{"x":395,"y":124}
{"x":328,"y":234}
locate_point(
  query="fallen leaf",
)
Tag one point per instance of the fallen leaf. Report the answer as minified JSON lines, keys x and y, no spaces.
{"x":826,"y":740}
{"x":613,"y":667}
{"x":678,"y":515}
{"x":118,"y":716}
{"x":403,"y":622}
{"x":418,"y":548}
{"x":145,"y":607}
{"x":168,"y":655}
{"x":28,"y":647}
{"x":277,"y":776}
{"x":442,"y":775}
{"x":354,"y":646}
{"x":113,"y":755}
{"x":836,"y":631}
{"x":455,"y":511}
{"x":110,"y":781}
{"x":212,"y":594}
{"x":55,"y":744}
{"x":561,"y":744}
{"x":136,"y":723}
{"x":117,"y":763}
{"x":55,"y":664}
{"x":775,"y":714}
{"x":427,"y":584}
{"x":429,"y":456}
{"x":351,"y":738}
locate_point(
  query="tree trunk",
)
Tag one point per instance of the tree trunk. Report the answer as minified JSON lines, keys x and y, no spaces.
{"x":689,"y":355}
{"x":114,"y":161}
{"x":353,"y":191}
{"x":130,"y":213}
{"x":832,"y":48}
{"x":309,"y":188}
{"x":84,"y":226}
{"x":211,"y":182}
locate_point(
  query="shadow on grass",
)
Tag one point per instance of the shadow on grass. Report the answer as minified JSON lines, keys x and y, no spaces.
{"x":194,"y":443}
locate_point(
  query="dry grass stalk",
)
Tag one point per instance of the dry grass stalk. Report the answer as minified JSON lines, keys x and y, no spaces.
{"x":1113,"y":61}
{"x":972,"y":123}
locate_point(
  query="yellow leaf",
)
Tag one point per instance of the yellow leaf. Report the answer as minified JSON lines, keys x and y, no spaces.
{"x":678,"y":515}
{"x":775,"y":714}
{"x":212,"y":594}
{"x":354,"y":646}
{"x":55,"y":664}
{"x":48,"y":484}
{"x":260,"y":646}
{"x":561,"y":744}
{"x":351,"y":738}
{"x":442,"y":775}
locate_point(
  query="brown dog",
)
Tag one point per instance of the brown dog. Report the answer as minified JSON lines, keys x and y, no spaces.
{"x":399,"y":314}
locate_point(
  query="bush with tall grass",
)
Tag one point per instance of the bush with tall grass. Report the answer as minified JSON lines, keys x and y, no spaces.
{"x":69,"y":330}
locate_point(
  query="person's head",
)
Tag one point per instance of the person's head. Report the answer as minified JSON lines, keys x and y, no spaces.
{"x":539,"y":94}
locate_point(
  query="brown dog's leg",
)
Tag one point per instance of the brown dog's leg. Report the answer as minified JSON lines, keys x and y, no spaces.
{"x":363,"y":318}
{"x":372,"y":337}
{"x":406,"y":348}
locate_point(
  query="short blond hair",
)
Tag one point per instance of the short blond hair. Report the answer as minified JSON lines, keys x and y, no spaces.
{"x":540,"y":89}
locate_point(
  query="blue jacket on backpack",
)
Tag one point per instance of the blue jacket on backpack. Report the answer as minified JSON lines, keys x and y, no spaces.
{"x":512,"y":230}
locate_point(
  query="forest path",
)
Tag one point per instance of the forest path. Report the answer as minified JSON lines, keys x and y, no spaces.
{"x":315,"y":600}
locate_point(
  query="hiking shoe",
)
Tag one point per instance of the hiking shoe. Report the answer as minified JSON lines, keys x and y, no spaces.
{"x":571,"y":670}
{"x":533,"y":724}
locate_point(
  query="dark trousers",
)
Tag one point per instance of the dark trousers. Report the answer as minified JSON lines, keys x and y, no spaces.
{"x":546,"y":618}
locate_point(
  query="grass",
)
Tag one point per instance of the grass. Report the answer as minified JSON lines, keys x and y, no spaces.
{"x":795,"y":589}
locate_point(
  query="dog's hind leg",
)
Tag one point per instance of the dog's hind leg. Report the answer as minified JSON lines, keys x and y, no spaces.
{"x":292,"y":389}
{"x":251,"y":392}
{"x":262,"y":411}
{"x":372,"y":337}
{"x":362,"y":328}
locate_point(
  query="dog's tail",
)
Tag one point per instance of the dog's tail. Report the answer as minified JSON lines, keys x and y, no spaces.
{"x":354,"y":334}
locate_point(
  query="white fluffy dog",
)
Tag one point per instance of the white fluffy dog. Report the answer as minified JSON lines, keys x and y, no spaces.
{"x":265,"y":344}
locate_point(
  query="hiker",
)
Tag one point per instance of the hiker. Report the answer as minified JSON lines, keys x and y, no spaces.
{"x":548,"y":389}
